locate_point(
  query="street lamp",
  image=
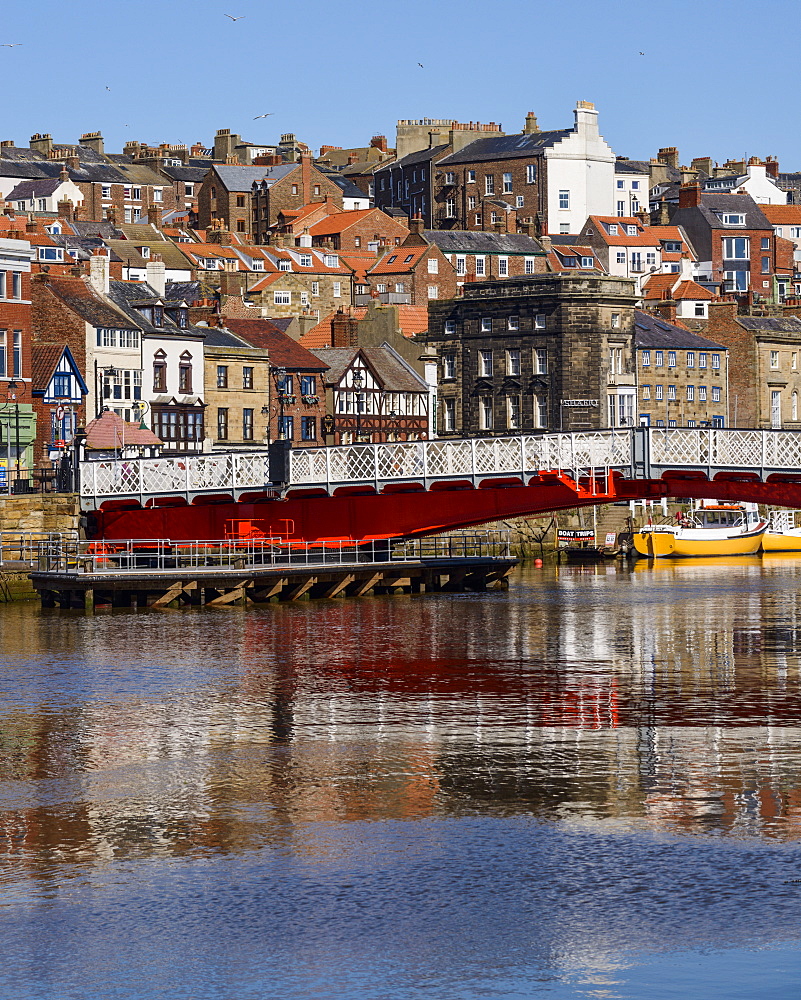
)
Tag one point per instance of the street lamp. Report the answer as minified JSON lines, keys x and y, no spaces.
{"x":109,"y":371}
{"x":358,"y":381}
{"x":279,"y":375}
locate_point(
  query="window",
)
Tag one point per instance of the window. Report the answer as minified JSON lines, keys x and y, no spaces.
{"x":620,"y":256}
{"x":486,"y":324}
{"x":315,"y":288}
{"x":715,"y":361}
{"x":658,"y":391}
{"x":659,"y":359}
{"x":136,"y":194}
{"x":646,"y":359}
{"x":541,"y":361}
{"x":513,"y":412}
{"x":513,"y":362}
{"x":691,"y":359}
{"x":222,"y":423}
{"x":308,"y":428}
{"x":495,"y":217}
{"x":765,"y":243}
{"x":485,"y":363}
{"x":715,"y":393}
{"x":461,"y":266}
{"x":503,"y":267}
{"x":450,"y":415}
{"x":185,"y":376}
{"x":160,"y":376}
{"x":620,"y":186}
{"x":671,"y":392}
{"x":308,"y":385}
{"x":507,"y":183}
{"x":336,"y":289}
{"x":774,"y":359}
{"x":471,"y":176}
{"x":519,"y":201}
{"x":61,"y":386}
{"x":489,"y":184}
{"x":621,"y":208}
{"x":286,"y":428}
{"x":794,"y":361}
{"x":646,"y":392}
{"x":433,"y":292}
{"x":247,"y":377}
{"x":539,"y":321}
{"x":671,"y":359}
{"x":247,"y":424}
{"x":611,"y":229}
{"x":331,"y":260}
{"x":531,"y":173}
{"x":766,"y":265}
{"x":795,"y":232}
{"x":448,"y":366}
{"x":316,"y":189}
{"x":481,"y":267}
{"x":513,"y":323}
{"x":542,"y":412}
{"x":284,"y":265}
{"x":702,"y":359}
{"x":471,"y":201}
{"x":702,"y":393}
{"x":690,"y":393}
{"x":631,"y":230}
{"x":564,"y":199}
{"x":615,"y":322}
{"x":700,"y":309}
{"x":51,"y":253}
{"x":18,"y":353}
{"x":222,"y":376}
{"x":450,"y":327}
{"x":529,"y":265}
{"x":105,"y":190}
{"x":282,"y":298}
{"x":588,"y":262}
{"x":433,"y":265}
{"x":16,"y":284}
{"x":400,"y":287}
{"x":485,"y":413}
{"x":730,"y":219}
{"x":650,"y":258}
{"x":736,"y":248}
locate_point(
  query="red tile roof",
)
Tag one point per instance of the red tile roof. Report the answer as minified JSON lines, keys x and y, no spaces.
{"x":44,"y":358}
{"x":109,"y":431}
{"x":284,"y":351}
{"x":782,"y":215}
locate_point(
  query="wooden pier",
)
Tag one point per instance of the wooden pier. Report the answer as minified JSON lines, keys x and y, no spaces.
{"x":160,"y":574}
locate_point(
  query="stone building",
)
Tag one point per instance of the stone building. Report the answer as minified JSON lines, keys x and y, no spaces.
{"x":764,"y":366}
{"x":237,"y":377}
{"x":551,"y":352}
{"x":682,"y":378}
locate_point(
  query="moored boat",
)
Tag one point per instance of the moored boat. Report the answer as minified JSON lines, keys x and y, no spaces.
{"x":708,"y":529}
{"x":782,"y":535}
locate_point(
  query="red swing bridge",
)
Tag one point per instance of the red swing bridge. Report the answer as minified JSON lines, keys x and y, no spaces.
{"x":401,"y":490}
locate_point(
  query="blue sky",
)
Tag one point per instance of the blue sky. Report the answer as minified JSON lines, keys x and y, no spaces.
{"x":717,"y":78}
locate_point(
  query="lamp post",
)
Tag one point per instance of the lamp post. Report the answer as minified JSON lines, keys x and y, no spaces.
{"x":280,"y":386}
{"x":109,"y":371}
{"x":358,"y":381}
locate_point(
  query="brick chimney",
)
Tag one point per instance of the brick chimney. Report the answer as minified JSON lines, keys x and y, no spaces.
{"x":772,"y":167}
{"x":30,"y":225}
{"x":305,"y":176}
{"x":667,"y":310}
{"x":644,"y":218}
{"x":65,"y":209}
{"x":344,"y":330}
{"x":352,"y":158}
{"x":531,"y":127}
{"x":669,"y":155}
{"x":63,"y":175}
{"x":690,"y":195}
{"x":416,"y":227}
{"x":380,"y":142}
{"x":154,"y":216}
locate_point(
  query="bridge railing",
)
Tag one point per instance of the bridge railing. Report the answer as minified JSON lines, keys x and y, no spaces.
{"x":715,"y":448}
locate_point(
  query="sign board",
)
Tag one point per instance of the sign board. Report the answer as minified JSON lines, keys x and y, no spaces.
{"x":589,"y":403}
{"x":576,"y":535}
{"x":611,"y":538}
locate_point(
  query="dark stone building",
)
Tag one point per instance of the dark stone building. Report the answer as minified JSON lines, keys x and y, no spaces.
{"x":546,"y":353}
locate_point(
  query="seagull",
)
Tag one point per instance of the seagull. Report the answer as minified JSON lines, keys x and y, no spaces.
{"x":421,"y":66}
{"x":108,"y":88}
{"x":235,"y":18}
{"x":269,"y":113}
{"x":9,"y":45}
{"x":642,"y":53}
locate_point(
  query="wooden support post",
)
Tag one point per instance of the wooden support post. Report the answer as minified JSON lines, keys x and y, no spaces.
{"x":237,"y":594}
{"x":360,"y":587}
{"x":168,"y":596}
{"x":89,"y":599}
{"x":337,"y":587}
{"x":301,"y":588}
{"x":264,"y":594}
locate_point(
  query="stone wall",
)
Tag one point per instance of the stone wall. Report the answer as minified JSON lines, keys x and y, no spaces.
{"x":39,"y":512}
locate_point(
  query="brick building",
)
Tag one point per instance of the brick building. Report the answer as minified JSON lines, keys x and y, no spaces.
{"x":369,"y":229}
{"x":289,"y":186}
{"x":682,"y":378}
{"x":538,"y":353}
{"x":237,"y":391}
{"x":764,"y":366}
{"x":296,"y":394}
{"x":487,"y":256}
{"x":17,"y":416}
{"x":412,"y":274}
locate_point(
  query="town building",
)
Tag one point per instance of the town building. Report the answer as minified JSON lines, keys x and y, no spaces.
{"x":237,"y":391}
{"x":549,"y":352}
{"x":630,"y":247}
{"x":17,"y":414}
{"x":682,"y":378}
{"x":486,"y":256}
{"x":58,"y":391}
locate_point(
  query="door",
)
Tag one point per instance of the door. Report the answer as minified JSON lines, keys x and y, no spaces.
{"x":775,"y":409}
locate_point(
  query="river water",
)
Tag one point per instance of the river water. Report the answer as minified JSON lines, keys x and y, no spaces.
{"x":586,"y":786}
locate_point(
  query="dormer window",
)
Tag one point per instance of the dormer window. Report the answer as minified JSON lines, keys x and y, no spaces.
{"x":257,"y":265}
{"x":305,"y":260}
{"x":182,"y":318}
{"x":331,"y":260}
{"x":284,"y":265}
{"x":671,"y":246}
{"x":612,"y":229}
{"x":732,"y":219}
{"x":51,"y":253}
{"x":158,"y":316}
{"x":145,"y":252}
{"x":631,"y":230}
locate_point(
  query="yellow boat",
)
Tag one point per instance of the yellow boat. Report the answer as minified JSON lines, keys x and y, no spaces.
{"x":708,"y":529}
{"x":782,"y":535}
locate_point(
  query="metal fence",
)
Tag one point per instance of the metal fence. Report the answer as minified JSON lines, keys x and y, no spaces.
{"x":163,"y":556}
{"x":24,"y":546}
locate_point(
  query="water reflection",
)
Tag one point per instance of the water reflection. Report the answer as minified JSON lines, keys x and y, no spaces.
{"x":620,"y":709}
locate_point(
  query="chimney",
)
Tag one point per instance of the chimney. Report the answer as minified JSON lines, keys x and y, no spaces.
{"x":344,"y":330}
{"x":667,"y":310}
{"x":380,"y":142}
{"x":94,"y":140}
{"x":99,"y":272}
{"x":664,"y":213}
{"x":546,"y":243}
{"x":703,"y":164}
{"x":670,"y":156}
{"x":771,"y":167}
{"x":500,"y":227}
{"x":531,"y":127}
{"x":30,"y":225}
{"x":6,"y":143}
{"x":690,"y":195}
{"x":688,"y":175}
{"x":305,"y":176}
{"x":352,"y":158}
{"x":644,"y":218}
{"x":65,"y":209}
{"x":154,"y":216}
{"x":586,"y":118}
{"x":157,"y":275}
{"x":72,"y":162}
{"x":42,"y":143}
{"x":63,"y":175}
{"x":9,"y":210}
{"x":433,"y":138}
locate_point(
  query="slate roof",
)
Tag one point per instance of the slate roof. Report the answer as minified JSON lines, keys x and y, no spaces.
{"x":219,"y":337}
{"x":392,"y":373}
{"x":506,"y":147}
{"x":184,"y":291}
{"x":237,"y":178}
{"x":39,"y":188}
{"x":768,"y":324}
{"x":104,"y":229}
{"x":632,"y":167}
{"x":464,"y":241}
{"x":284,"y":351}
{"x":653,"y":331}
{"x":194,"y":175}
{"x":421,"y":156}
{"x":127,"y":294}
{"x":79,"y":296}
{"x":128,"y":251}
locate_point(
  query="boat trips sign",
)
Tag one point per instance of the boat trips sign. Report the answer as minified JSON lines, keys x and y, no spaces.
{"x":576,"y":535}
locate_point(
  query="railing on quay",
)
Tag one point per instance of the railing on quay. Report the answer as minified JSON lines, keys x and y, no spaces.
{"x":24,"y":546}
{"x":159,"y":555}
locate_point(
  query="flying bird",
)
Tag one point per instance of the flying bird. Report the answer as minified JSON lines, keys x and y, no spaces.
{"x":235,"y":18}
{"x":108,"y":88}
{"x":642,"y":53}
{"x":269,"y":113}
{"x":421,"y":66}
{"x":9,"y":45}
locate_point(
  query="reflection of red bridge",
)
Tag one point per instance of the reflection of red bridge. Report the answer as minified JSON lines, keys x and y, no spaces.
{"x":403,"y":490}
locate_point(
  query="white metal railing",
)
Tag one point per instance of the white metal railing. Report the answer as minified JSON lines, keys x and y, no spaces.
{"x":160,"y":555}
{"x":219,"y":471}
{"x":677,"y":447}
{"x":23,"y":546}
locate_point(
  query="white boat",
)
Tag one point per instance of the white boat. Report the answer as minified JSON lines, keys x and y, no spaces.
{"x":782,"y":534}
{"x":709,"y":528}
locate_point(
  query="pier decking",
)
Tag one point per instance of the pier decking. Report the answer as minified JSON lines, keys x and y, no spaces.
{"x":157,"y":573}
